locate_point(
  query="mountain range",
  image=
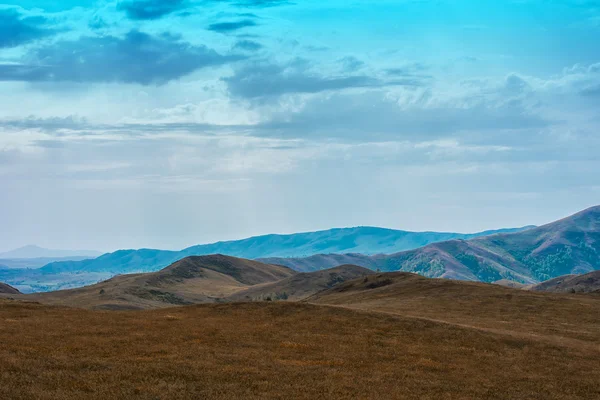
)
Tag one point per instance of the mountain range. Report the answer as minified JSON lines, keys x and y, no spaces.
{"x":568,"y":246}
{"x":366,"y":240}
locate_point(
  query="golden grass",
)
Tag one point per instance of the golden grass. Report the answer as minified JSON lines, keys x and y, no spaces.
{"x":277,"y":351}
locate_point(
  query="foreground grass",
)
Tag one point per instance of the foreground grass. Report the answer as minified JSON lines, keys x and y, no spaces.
{"x":276,"y":351}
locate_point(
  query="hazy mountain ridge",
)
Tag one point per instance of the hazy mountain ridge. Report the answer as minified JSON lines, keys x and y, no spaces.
{"x":32,"y":251}
{"x":568,"y":246}
{"x":370,"y":240}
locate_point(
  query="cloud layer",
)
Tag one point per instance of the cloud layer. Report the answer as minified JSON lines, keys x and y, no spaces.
{"x":169,"y":123}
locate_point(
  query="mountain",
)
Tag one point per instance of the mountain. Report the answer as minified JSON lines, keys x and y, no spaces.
{"x":192,"y":280}
{"x":301,"y":286}
{"x":364,"y":240}
{"x":568,"y":246}
{"x":6,"y":289}
{"x":68,"y":274}
{"x":586,"y":283}
{"x":32,"y":251}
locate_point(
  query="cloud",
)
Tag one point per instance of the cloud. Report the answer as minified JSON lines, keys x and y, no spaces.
{"x":151,"y":9}
{"x":135,"y":58}
{"x":17,"y":29}
{"x":259,"y":80}
{"x":379,"y":116}
{"x":224,"y":27}
{"x":248,"y":45}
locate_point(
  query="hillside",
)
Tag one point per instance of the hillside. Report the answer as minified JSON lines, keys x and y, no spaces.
{"x":367,"y":240}
{"x":203,"y":279}
{"x":386,"y":336}
{"x":302,"y":285}
{"x":473,"y":304}
{"x":586,"y":283}
{"x":7,"y":289}
{"x":568,"y":246}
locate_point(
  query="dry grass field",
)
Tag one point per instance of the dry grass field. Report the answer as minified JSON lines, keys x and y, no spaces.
{"x":283,"y":350}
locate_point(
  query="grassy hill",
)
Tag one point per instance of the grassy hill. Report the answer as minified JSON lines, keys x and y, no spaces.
{"x":193,"y":280}
{"x":302,"y":285}
{"x":6,"y":289}
{"x":586,"y":283}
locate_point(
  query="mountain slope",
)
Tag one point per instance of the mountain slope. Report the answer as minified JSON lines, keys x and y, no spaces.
{"x":586,"y":283}
{"x":568,"y":246}
{"x":32,"y":251}
{"x":301,"y":286}
{"x":63,"y":275}
{"x":205,"y":279}
{"x":6,"y":289}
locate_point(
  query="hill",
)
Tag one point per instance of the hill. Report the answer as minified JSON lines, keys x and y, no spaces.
{"x":385,"y":336}
{"x":302,"y":285}
{"x":472,"y":304}
{"x":568,"y":246}
{"x":33,"y":251}
{"x":368,"y":240}
{"x":6,"y":289}
{"x":586,"y":283}
{"x":202,"y":279}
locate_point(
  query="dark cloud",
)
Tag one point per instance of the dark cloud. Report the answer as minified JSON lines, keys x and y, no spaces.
{"x":248,"y":45}
{"x":151,"y":9}
{"x":135,"y":58}
{"x":224,"y":27}
{"x":16,"y":29}
{"x":256,"y":80}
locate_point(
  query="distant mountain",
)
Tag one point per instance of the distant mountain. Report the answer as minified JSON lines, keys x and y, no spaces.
{"x":6,"y":289}
{"x":586,"y":283}
{"x":25,"y":263}
{"x":192,"y":280}
{"x":365,"y":239}
{"x":32,"y":251}
{"x":568,"y":246}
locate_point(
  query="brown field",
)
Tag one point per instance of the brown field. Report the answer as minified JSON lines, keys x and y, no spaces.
{"x":466,"y":341}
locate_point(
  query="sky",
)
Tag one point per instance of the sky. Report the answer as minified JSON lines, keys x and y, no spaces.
{"x":168,"y":123}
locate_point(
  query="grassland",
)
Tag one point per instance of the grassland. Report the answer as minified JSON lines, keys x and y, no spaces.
{"x":283,"y":350}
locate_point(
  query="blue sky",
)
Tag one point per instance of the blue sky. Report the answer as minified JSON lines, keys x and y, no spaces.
{"x":145,"y":123}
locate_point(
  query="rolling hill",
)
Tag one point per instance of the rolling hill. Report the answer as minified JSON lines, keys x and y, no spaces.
{"x":192,"y":280}
{"x":568,"y":246}
{"x":302,"y":285}
{"x":586,"y":283}
{"x":6,"y":289}
{"x":368,"y":240}
{"x":390,"y":335}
